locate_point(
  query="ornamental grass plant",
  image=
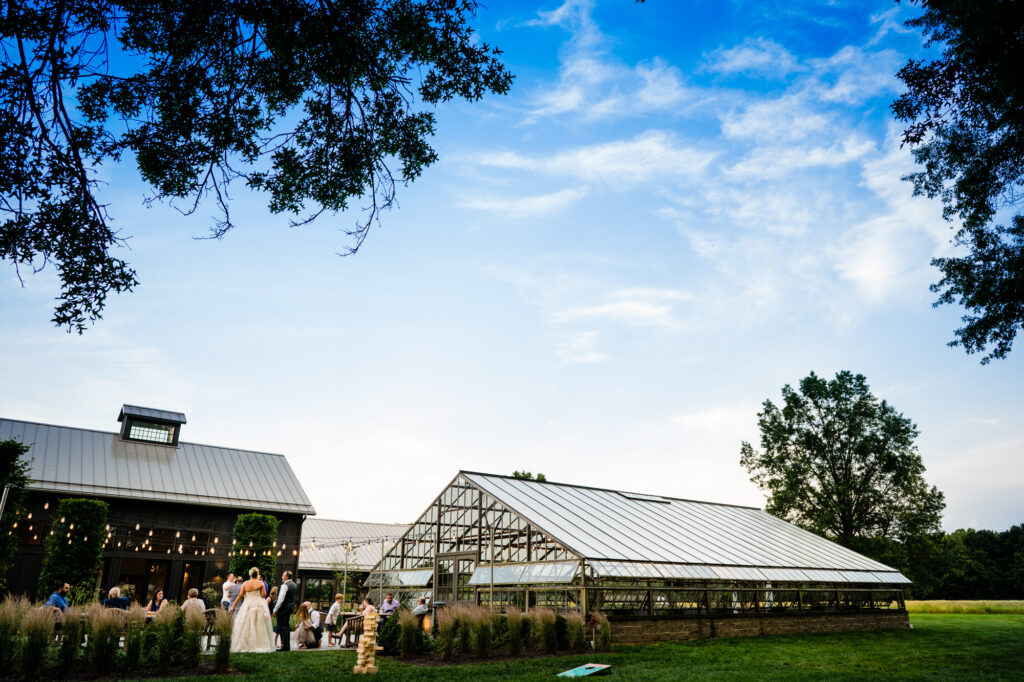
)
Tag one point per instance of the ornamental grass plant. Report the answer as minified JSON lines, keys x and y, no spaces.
{"x":447,"y":624}
{"x":543,"y":631}
{"x":71,"y":633}
{"x":37,"y":631}
{"x":575,"y":632}
{"x":463,"y":629}
{"x":479,"y":620}
{"x":409,"y":634}
{"x":12,"y":610}
{"x":104,"y":637}
{"x":136,"y":618}
{"x":192,"y":638}
{"x":514,"y":631}
{"x":222,"y":630}
{"x":165,"y":626}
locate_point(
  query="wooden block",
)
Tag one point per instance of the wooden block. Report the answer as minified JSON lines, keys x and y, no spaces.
{"x":358,"y":670}
{"x":371,"y":670}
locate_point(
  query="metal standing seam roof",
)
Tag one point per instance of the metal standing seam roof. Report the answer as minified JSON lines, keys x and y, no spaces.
{"x":695,"y":538}
{"x":331,"y":536}
{"x":150,"y":413}
{"x":75,"y":461}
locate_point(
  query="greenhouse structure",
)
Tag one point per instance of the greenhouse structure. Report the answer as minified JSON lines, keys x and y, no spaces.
{"x":659,"y":567}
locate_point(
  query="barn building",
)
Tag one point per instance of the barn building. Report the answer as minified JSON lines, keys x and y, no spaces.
{"x":173,"y":504}
{"x":661,"y":568}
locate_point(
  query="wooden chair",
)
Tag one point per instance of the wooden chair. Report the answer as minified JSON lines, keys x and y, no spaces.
{"x":354,"y":628}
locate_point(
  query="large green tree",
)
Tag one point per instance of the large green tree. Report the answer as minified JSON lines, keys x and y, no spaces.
{"x":74,"y":548}
{"x":965,"y":116}
{"x":313,"y":103}
{"x":255,"y":544}
{"x":13,"y":476}
{"x":841,"y":463}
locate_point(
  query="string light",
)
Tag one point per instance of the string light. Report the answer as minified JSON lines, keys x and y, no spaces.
{"x":46,"y":505}
{"x":29,"y":515}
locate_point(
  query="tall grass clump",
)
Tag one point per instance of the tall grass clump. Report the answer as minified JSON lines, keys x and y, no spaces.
{"x":105,"y":627}
{"x":192,"y":638}
{"x":603,"y":634}
{"x":1000,"y":606}
{"x":36,"y":630}
{"x":409,"y":634}
{"x":446,"y":627}
{"x":463,"y":629}
{"x":12,"y":610}
{"x":222,"y":629}
{"x":543,"y":630}
{"x":71,"y":632}
{"x":498,"y":630}
{"x":165,"y":626}
{"x":514,"y":631}
{"x":575,"y":632}
{"x":136,"y":617}
{"x":481,"y":635}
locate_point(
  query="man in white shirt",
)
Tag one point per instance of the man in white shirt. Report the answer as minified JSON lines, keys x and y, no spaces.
{"x":225,"y":601}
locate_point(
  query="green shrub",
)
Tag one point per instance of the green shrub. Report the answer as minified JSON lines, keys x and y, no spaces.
{"x":445,"y":637}
{"x":410,"y":637}
{"x":71,"y":631}
{"x":387,"y":638}
{"x":603,"y":636}
{"x":543,"y":630}
{"x":254,"y":538}
{"x":479,"y":620}
{"x":12,"y":610}
{"x":576,"y":637}
{"x":133,"y":636}
{"x":36,"y":630}
{"x":192,"y":638}
{"x":105,"y":627}
{"x":14,"y":472}
{"x":222,"y":629}
{"x":498,"y":630}
{"x":514,"y":631}
{"x":561,"y":632}
{"x":74,"y":550}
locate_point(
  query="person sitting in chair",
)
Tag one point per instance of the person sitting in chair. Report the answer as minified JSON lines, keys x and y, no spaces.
{"x":114,"y":600}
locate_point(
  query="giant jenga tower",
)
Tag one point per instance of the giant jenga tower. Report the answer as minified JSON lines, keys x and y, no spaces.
{"x":367,"y":649}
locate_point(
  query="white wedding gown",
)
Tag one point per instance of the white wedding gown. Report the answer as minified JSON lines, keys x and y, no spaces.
{"x":252,"y":631}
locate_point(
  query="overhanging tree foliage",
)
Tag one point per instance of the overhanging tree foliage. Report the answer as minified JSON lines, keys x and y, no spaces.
{"x":965,"y":112}
{"x":837,"y":461}
{"x":312,"y":103}
{"x":255,"y":536}
{"x":74,"y":550}
{"x":14,"y":476}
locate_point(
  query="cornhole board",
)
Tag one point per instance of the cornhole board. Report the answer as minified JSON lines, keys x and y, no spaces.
{"x":585,"y":670}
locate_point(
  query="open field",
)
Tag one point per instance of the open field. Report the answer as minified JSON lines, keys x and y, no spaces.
{"x":952,"y":647}
{"x":966,"y":606}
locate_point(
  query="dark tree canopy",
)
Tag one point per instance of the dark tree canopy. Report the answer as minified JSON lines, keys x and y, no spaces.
{"x":965,"y":111}
{"x":255,"y":544}
{"x":837,"y":461}
{"x":14,"y":473}
{"x":527,"y":476}
{"x":312,"y":103}
{"x":74,"y":551}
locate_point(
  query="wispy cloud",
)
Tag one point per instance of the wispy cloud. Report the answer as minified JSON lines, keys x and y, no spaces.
{"x":526,"y":206}
{"x":755,"y":57}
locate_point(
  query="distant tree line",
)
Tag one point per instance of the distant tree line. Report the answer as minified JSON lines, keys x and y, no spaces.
{"x":964,"y":564}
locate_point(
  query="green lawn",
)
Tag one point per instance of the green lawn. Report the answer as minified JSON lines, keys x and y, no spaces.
{"x":953,"y":647}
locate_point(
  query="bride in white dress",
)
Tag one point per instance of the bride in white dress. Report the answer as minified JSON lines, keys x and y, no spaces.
{"x":252,"y":631}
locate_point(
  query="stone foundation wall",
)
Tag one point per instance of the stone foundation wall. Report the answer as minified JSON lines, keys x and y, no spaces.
{"x":663,"y":629}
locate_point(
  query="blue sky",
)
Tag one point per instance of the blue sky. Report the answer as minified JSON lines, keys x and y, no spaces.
{"x":677,"y":210}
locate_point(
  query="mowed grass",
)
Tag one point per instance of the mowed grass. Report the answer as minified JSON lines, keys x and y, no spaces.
{"x":939,"y":647}
{"x":966,"y":606}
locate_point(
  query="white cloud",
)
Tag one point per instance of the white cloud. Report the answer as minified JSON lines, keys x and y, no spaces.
{"x":785,"y":119}
{"x":579,"y":347}
{"x":779,"y":161}
{"x":520,"y":207}
{"x":754,"y":56}
{"x":855,"y":74}
{"x":649,"y":156}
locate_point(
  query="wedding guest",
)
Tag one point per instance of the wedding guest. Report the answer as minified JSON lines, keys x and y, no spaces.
{"x":156,"y":603}
{"x":58,"y":599}
{"x":225,"y":600}
{"x":318,"y":628}
{"x":388,"y":607}
{"x":333,"y":615}
{"x":271,"y":599}
{"x":194,"y":602}
{"x":234,"y":592}
{"x":421,"y":607}
{"x":303,"y":635}
{"x":283,"y":609}
{"x":114,"y":600}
